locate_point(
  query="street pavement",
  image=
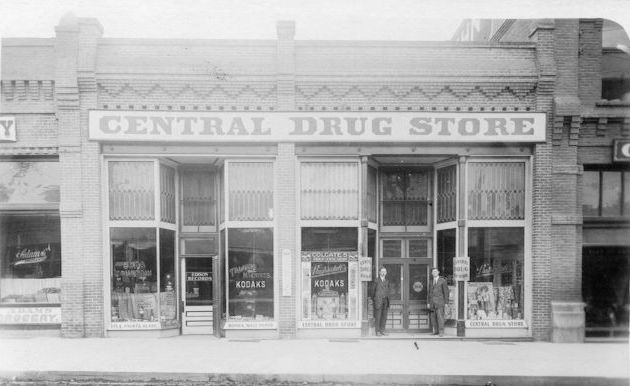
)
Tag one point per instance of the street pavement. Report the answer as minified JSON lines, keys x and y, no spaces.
{"x":208,"y":360}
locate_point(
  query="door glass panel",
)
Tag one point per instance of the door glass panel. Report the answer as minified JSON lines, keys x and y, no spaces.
{"x":198,"y":281}
{"x":394,"y":273}
{"x":417,"y":282}
{"x":418,"y":248}
{"x":392,"y":248}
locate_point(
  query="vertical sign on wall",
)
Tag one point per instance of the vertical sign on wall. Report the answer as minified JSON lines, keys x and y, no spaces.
{"x":7,"y":129}
{"x":286,"y":272}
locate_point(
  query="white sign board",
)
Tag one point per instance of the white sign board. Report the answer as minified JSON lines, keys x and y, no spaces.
{"x":461,"y":268}
{"x":365,"y":268}
{"x":30,"y":315}
{"x":376,"y":127}
{"x":7,"y":129}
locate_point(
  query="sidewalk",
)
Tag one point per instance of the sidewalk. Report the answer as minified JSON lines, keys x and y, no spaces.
{"x":385,"y":361}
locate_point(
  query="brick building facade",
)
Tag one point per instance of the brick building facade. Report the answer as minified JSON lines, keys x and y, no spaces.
{"x":179,"y":211}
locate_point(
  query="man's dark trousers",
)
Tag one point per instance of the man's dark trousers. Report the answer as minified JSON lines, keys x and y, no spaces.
{"x":380,"y":315}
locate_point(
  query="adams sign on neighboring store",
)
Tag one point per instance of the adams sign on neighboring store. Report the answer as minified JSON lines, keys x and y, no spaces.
{"x":316,"y":127}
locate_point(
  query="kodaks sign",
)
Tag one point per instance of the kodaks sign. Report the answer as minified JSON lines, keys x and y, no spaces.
{"x":157,"y":126}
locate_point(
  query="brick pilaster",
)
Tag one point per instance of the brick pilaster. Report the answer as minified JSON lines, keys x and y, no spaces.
{"x":541,"y":200}
{"x":70,"y":208}
{"x":285,"y":182}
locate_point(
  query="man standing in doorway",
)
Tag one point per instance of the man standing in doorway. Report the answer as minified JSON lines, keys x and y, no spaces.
{"x":380,"y":297}
{"x":438,"y":296}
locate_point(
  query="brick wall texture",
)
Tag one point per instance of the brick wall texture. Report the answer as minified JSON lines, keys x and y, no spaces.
{"x":548,"y":66}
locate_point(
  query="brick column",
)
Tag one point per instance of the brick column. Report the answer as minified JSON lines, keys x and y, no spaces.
{"x":70,"y":208}
{"x":90,"y":31}
{"x":568,"y":318}
{"x":285,"y":183}
{"x":540,"y":280}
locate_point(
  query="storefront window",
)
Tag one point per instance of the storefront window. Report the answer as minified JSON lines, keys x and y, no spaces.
{"x":168,"y":297}
{"x":496,"y":191}
{"x":198,"y":198}
{"x":371,"y":194}
{"x":250,"y":193}
{"x":446,"y":194}
{"x":250,"y":274}
{"x":134,"y":275}
{"x":330,"y":276}
{"x":445,"y":253}
{"x":131,"y":190}
{"x":167,"y":194}
{"x":30,"y":260}
{"x":29,"y":182}
{"x":405,"y":198}
{"x":329,"y":191}
{"x":495,"y":290}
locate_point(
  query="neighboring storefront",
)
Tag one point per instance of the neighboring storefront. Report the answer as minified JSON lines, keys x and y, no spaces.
{"x":245,"y":189}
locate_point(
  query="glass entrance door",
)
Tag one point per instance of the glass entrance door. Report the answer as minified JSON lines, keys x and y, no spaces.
{"x":197,"y":317}
{"x":407,"y":262}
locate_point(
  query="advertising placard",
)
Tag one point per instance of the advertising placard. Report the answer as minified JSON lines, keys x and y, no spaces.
{"x":365,"y":268}
{"x":461,"y":268}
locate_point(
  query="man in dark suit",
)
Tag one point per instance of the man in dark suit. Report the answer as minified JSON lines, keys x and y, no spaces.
{"x":438,"y":296}
{"x":380,"y":295}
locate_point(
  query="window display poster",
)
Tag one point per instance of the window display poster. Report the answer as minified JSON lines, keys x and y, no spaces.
{"x":450,"y":309}
{"x":329,"y":290}
{"x":481,"y":302}
{"x":330,"y":283}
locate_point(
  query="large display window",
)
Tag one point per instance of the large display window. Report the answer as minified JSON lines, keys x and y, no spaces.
{"x":248,"y":234}
{"x":139,"y":298}
{"x":142,"y":255}
{"x":330,"y":281}
{"x":30,"y":263}
{"x":495,"y":290}
{"x":250,"y":275}
{"x":30,"y":236}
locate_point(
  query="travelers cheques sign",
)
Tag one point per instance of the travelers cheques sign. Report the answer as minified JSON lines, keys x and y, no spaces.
{"x":159,"y":126}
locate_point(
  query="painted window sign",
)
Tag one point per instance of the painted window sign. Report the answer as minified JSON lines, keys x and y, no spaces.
{"x":316,"y":127}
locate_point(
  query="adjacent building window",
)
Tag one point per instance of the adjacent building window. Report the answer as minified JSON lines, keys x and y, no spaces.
{"x":30,"y":264}
{"x":606,"y":193}
{"x":30,"y":236}
{"x":329,"y":191}
{"x":250,"y":274}
{"x":495,"y":290}
{"x":330,"y":275}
